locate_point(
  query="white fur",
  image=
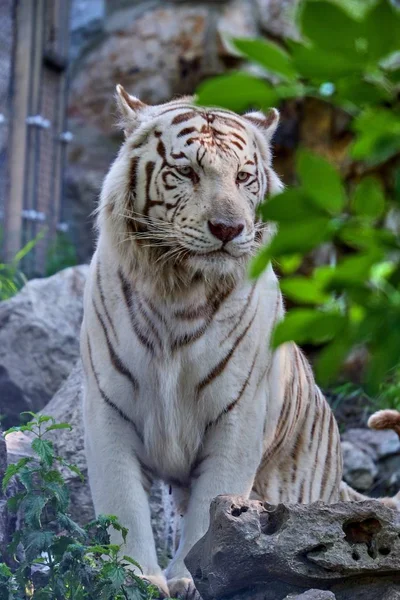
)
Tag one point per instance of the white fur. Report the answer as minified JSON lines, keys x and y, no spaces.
{"x":172,"y":414}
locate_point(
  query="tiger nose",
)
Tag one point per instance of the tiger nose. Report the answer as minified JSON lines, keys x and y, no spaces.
{"x":225,"y":231}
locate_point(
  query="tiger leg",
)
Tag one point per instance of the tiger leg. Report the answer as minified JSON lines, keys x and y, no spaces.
{"x":310,"y":466}
{"x":227,"y":465}
{"x":117,"y":482}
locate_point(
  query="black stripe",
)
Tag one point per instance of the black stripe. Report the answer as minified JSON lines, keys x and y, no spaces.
{"x":103,"y":301}
{"x":232,"y":405}
{"x":106,"y":399}
{"x":219,"y":368}
{"x":242,"y":313}
{"x":330,"y":450}
{"x":127,"y":294}
{"x":115,"y":359}
{"x":186,"y":116}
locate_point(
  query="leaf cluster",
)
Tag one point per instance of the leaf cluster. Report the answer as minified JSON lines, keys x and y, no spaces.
{"x":51,"y":557}
{"x":12,"y":279}
{"x":348,"y":56}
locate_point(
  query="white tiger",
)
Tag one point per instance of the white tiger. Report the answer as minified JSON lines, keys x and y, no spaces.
{"x":180,"y":381}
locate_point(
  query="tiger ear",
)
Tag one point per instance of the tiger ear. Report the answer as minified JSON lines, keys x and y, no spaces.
{"x":267,"y":122}
{"x":129,"y":108}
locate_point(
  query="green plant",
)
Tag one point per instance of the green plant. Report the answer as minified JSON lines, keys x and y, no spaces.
{"x":60,"y":254}
{"x":345,"y":60}
{"x":12,"y":278}
{"x":52,"y":557}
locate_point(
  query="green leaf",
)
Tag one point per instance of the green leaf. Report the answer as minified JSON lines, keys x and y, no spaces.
{"x":382,"y":30}
{"x":60,"y":493}
{"x":369,"y":199}
{"x":330,"y":28}
{"x":378,"y":135}
{"x":44,"y":449}
{"x":58,"y":426}
{"x":307,"y":325}
{"x":132,"y":562}
{"x":320,"y":181}
{"x":75,"y":470}
{"x":28,"y":247}
{"x":331,"y":358}
{"x":289,"y":206}
{"x":354,"y":270}
{"x":358,"y":92}
{"x":14,"y":469}
{"x":45,"y":419}
{"x":320,"y":65}
{"x":5,"y":571}
{"x":69,"y":524}
{"x":19,"y":428}
{"x":33,"y":507}
{"x":98,"y":549}
{"x":14,"y":501}
{"x":236,"y":91}
{"x":259,"y":263}
{"x":36,"y":542}
{"x":268,"y":55}
{"x":299,"y":237}
{"x":304,"y":290}
{"x":115,"y":573}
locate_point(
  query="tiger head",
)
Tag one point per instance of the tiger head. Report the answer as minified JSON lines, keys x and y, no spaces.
{"x":181,"y":198}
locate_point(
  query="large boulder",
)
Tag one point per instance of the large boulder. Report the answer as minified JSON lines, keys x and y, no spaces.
{"x":256,"y":551}
{"x":39,"y":341}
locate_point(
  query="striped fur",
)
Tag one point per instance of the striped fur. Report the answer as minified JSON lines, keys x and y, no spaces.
{"x":180,"y":381}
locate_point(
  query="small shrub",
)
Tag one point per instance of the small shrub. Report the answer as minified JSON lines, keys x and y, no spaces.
{"x":60,"y":254}
{"x":12,"y":279}
{"x":51,"y":557}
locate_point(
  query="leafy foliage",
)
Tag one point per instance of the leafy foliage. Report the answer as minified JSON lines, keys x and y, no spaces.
{"x":12,"y":278}
{"x":53,"y":558}
{"x":356,"y":299}
{"x":60,"y":254}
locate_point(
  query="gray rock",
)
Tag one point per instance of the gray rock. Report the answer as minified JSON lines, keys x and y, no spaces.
{"x":359,"y":470}
{"x":361,"y":448}
{"x":255,"y":551}
{"x":39,"y":341}
{"x":277,"y":17}
{"x":312,"y":595}
{"x":379,"y":444}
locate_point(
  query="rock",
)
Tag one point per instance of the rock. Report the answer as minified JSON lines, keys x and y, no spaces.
{"x":359,"y":470}
{"x":276,"y":17}
{"x":39,"y":341}
{"x":312,"y":595}
{"x":253,"y":550}
{"x":86,"y":22}
{"x":379,"y":444}
{"x":66,"y":407}
{"x":364,"y":447}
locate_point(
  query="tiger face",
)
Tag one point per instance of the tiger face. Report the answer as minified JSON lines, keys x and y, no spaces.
{"x":186,"y":185}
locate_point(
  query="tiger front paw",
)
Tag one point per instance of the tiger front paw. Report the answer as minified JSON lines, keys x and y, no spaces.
{"x":183,"y":589}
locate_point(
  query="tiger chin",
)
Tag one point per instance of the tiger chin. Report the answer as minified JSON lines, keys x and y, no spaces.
{"x":180,"y":381}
